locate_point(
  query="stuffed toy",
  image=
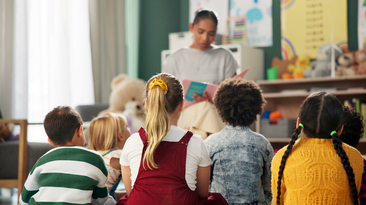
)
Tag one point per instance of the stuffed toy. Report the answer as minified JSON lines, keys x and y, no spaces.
{"x":127,"y":98}
{"x":346,"y":62}
{"x":322,"y":66}
{"x":135,"y":115}
{"x":302,"y":64}
{"x":282,"y":66}
{"x":360,"y":59}
{"x":124,"y":89}
{"x":6,"y":132}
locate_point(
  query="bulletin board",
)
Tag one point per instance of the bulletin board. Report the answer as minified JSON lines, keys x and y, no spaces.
{"x":307,"y":24}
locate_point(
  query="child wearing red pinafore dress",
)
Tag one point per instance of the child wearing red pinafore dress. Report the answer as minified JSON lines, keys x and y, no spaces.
{"x":165,"y":164}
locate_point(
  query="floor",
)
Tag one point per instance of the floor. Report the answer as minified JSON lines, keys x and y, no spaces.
{"x":8,"y":196}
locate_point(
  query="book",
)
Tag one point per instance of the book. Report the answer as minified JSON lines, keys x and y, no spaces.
{"x":363,"y":113}
{"x":194,"y":87}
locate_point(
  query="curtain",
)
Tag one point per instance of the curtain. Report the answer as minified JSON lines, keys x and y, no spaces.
{"x":59,"y":56}
{"x":6,"y":57}
{"x":107,"y":33}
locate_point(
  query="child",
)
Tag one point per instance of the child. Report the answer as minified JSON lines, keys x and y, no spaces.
{"x":164,"y":164}
{"x":240,"y":158}
{"x":107,"y":135}
{"x":317,"y":168}
{"x":353,"y":128}
{"x":69,"y":173}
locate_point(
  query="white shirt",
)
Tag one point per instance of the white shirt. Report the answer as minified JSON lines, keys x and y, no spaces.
{"x":211,"y":65}
{"x":197,"y":154}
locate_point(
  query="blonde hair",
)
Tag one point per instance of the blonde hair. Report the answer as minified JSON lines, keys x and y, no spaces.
{"x":103,"y":131}
{"x":160,"y":105}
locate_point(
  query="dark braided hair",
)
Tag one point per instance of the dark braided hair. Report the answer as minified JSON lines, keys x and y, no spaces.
{"x":283,"y":161}
{"x":344,"y":158}
{"x":328,"y":114}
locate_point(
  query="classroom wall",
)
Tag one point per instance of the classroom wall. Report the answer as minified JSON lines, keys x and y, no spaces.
{"x":158,"y":18}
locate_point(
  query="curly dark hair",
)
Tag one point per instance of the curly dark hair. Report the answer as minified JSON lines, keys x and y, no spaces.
{"x":238,"y":101}
{"x":353,"y":126}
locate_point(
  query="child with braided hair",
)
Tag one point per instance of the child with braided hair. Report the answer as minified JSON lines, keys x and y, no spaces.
{"x":317,"y":168}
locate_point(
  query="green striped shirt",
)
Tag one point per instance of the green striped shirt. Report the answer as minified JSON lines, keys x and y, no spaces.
{"x":67,"y":175}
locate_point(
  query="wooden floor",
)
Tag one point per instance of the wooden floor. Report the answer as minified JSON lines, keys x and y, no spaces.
{"x":8,"y":196}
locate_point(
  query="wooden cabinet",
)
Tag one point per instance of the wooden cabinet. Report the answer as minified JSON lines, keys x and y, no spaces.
{"x":287,"y":96}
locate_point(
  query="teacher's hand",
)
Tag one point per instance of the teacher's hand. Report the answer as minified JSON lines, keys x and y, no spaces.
{"x":204,"y":97}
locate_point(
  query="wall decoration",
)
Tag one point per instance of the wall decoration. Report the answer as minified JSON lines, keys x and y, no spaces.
{"x":307,"y":24}
{"x":258,"y":20}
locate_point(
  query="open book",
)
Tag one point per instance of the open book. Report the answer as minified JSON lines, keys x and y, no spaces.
{"x":193,"y":87}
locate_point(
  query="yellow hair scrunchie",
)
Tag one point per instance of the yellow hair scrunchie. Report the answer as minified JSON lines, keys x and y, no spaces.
{"x":160,"y":83}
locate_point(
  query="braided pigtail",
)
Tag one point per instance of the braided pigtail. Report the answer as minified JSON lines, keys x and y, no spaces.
{"x":294,"y":137}
{"x":344,"y":159}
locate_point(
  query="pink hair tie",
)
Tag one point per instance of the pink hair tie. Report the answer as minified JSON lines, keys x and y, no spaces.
{"x":115,"y":121}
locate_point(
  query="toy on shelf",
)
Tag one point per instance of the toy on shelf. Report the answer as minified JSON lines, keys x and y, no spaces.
{"x":324,"y":64}
{"x":282,"y":66}
{"x":346,"y":63}
{"x":302,"y":65}
{"x":360,"y":59}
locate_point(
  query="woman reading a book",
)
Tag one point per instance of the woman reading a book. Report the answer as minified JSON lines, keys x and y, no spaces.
{"x":202,"y":62}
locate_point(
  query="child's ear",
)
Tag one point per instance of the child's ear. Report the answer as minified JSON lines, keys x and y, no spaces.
{"x":340,"y":131}
{"x":50,"y":141}
{"x":119,"y":136}
{"x":297,"y":122}
{"x":79,"y":131}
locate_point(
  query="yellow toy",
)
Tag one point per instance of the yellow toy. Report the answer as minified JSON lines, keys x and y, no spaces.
{"x":302,"y":64}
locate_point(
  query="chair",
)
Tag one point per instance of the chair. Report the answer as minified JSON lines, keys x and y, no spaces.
{"x":88,"y":112}
{"x":22,"y":157}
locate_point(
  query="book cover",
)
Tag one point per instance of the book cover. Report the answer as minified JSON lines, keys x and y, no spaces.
{"x":193,"y":87}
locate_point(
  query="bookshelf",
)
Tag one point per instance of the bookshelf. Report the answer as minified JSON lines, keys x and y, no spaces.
{"x":287,"y":96}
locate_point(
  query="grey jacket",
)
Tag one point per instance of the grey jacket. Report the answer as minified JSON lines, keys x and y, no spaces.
{"x":240,"y":165}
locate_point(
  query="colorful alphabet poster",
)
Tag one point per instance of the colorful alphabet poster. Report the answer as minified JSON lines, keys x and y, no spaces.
{"x":258,"y":24}
{"x":221,"y":7}
{"x":235,"y":31}
{"x":307,"y":24}
{"x":361,"y":24}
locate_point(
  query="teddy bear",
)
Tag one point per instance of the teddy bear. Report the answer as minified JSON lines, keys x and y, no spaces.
{"x":360,"y":59}
{"x":322,"y":66}
{"x":124,"y":89}
{"x":346,"y":62}
{"x":135,"y":115}
{"x":300,"y":67}
{"x":127,"y":98}
{"x":282,"y":66}
{"x":6,"y":132}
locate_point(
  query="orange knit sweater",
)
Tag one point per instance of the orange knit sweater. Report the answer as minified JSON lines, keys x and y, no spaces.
{"x":314,"y":173}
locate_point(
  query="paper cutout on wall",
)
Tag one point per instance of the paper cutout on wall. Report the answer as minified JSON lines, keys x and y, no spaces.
{"x":259,"y":20}
{"x":361,"y":24}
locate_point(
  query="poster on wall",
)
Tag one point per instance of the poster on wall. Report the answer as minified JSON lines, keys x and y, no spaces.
{"x":307,"y":24}
{"x":220,"y":6}
{"x":258,"y":15}
{"x":235,"y":31}
{"x":361,"y":24}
